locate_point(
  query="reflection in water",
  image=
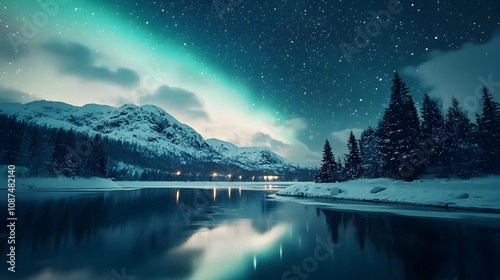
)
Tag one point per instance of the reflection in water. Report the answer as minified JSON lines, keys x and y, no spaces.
{"x":208,"y":236}
{"x":239,"y":241}
{"x":426,"y":248}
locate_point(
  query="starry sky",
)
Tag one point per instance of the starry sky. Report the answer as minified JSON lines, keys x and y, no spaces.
{"x":281,"y":74}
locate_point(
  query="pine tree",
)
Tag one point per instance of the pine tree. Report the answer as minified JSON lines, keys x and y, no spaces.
{"x":328,"y":165}
{"x":459,"y":146}
{"x":354,"y":168}
{"x":34,"y":151}
{"x":60,"y":152}
{"x":101,"y":159}
{"x":370,"y":153}
{"x":410,"y":116}
{"x":432,"y":130}
{"x":398,"y":131}
{"x":13,"y":135}
{"x":489,"y":134}
{"x":96,"y":158}
{"x":64,"y":159}
{"x":72,"y":160}
{"x":341,"y":171}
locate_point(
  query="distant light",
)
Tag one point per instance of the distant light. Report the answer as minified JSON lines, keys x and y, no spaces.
{"x":229,"y":176}
{"x":215,"y":174}
{"x":240,"y":177}
{"x":178,"y":173}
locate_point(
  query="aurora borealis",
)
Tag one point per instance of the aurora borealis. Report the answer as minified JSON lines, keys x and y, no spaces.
{"x":267,"y":73}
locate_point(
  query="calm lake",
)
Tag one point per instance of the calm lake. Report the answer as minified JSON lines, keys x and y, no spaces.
{"x":233,"y":233}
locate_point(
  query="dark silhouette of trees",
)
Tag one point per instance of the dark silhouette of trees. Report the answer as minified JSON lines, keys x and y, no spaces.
{"x":328,"y":169}
{"x":406,"y":145}
{"x":489,"y":134}
{"x":354,"y":163}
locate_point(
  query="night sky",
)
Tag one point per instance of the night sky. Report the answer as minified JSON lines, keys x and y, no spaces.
{"x":267,"y":73}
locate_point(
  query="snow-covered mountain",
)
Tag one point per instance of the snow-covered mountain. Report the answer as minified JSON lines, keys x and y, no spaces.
{"x":148,"y":126}
{"x":259,"y":158}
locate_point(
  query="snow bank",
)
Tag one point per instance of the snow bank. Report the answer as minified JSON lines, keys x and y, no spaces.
{"x":474,"y":194}
{"x":32,"y":183}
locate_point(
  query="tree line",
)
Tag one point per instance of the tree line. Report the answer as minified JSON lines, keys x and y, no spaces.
{"x":406,"y":145}
{"x":44,"y":150}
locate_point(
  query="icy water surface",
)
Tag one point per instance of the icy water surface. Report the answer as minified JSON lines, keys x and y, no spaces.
{"x":237,"y":234}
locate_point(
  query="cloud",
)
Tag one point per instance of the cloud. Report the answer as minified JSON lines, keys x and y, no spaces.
{"x":294,"y":152}
{"x":177,"y":100}
{"x":10,"y":95}
{"x":343,"y":135}
{"x":295,"y":124}
{"x":340,"y":138}
{"x":76,"y":59}
{"x":261,"y":139}
{"x":460,"y":73}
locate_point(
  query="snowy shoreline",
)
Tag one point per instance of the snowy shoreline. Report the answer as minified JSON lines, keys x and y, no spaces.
{"x":64,"y":183}
{"x":477,"y":194}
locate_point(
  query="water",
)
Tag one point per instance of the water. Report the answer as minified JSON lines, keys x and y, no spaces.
{"x":240,"y":234}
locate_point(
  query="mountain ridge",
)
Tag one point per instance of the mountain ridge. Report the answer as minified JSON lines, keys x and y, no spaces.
{"x":149,"y":126}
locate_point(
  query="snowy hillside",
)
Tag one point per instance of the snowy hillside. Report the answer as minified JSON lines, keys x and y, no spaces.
{"x":147,"y":126}
{"x":256,"y":157}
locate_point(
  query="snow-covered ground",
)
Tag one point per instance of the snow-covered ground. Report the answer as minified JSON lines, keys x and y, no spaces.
{"x":475,"y":194}
{"x":64,"y":183}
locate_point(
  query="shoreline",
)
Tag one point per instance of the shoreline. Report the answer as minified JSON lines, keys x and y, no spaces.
{"x":471,"y":209}
{"x":478,"y":194}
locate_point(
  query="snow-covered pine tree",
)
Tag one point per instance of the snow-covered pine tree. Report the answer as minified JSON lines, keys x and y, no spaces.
{"x":459,"y":147}
{"x":410,"y":116}
{"x":370,"y":153}
{"x":432,"y":131}
{"x":398,"y":131}
{"x":354,"y":163}
{"x":341,"y":170}
{"x":328,"y":165}
{"x":489,"y":134}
